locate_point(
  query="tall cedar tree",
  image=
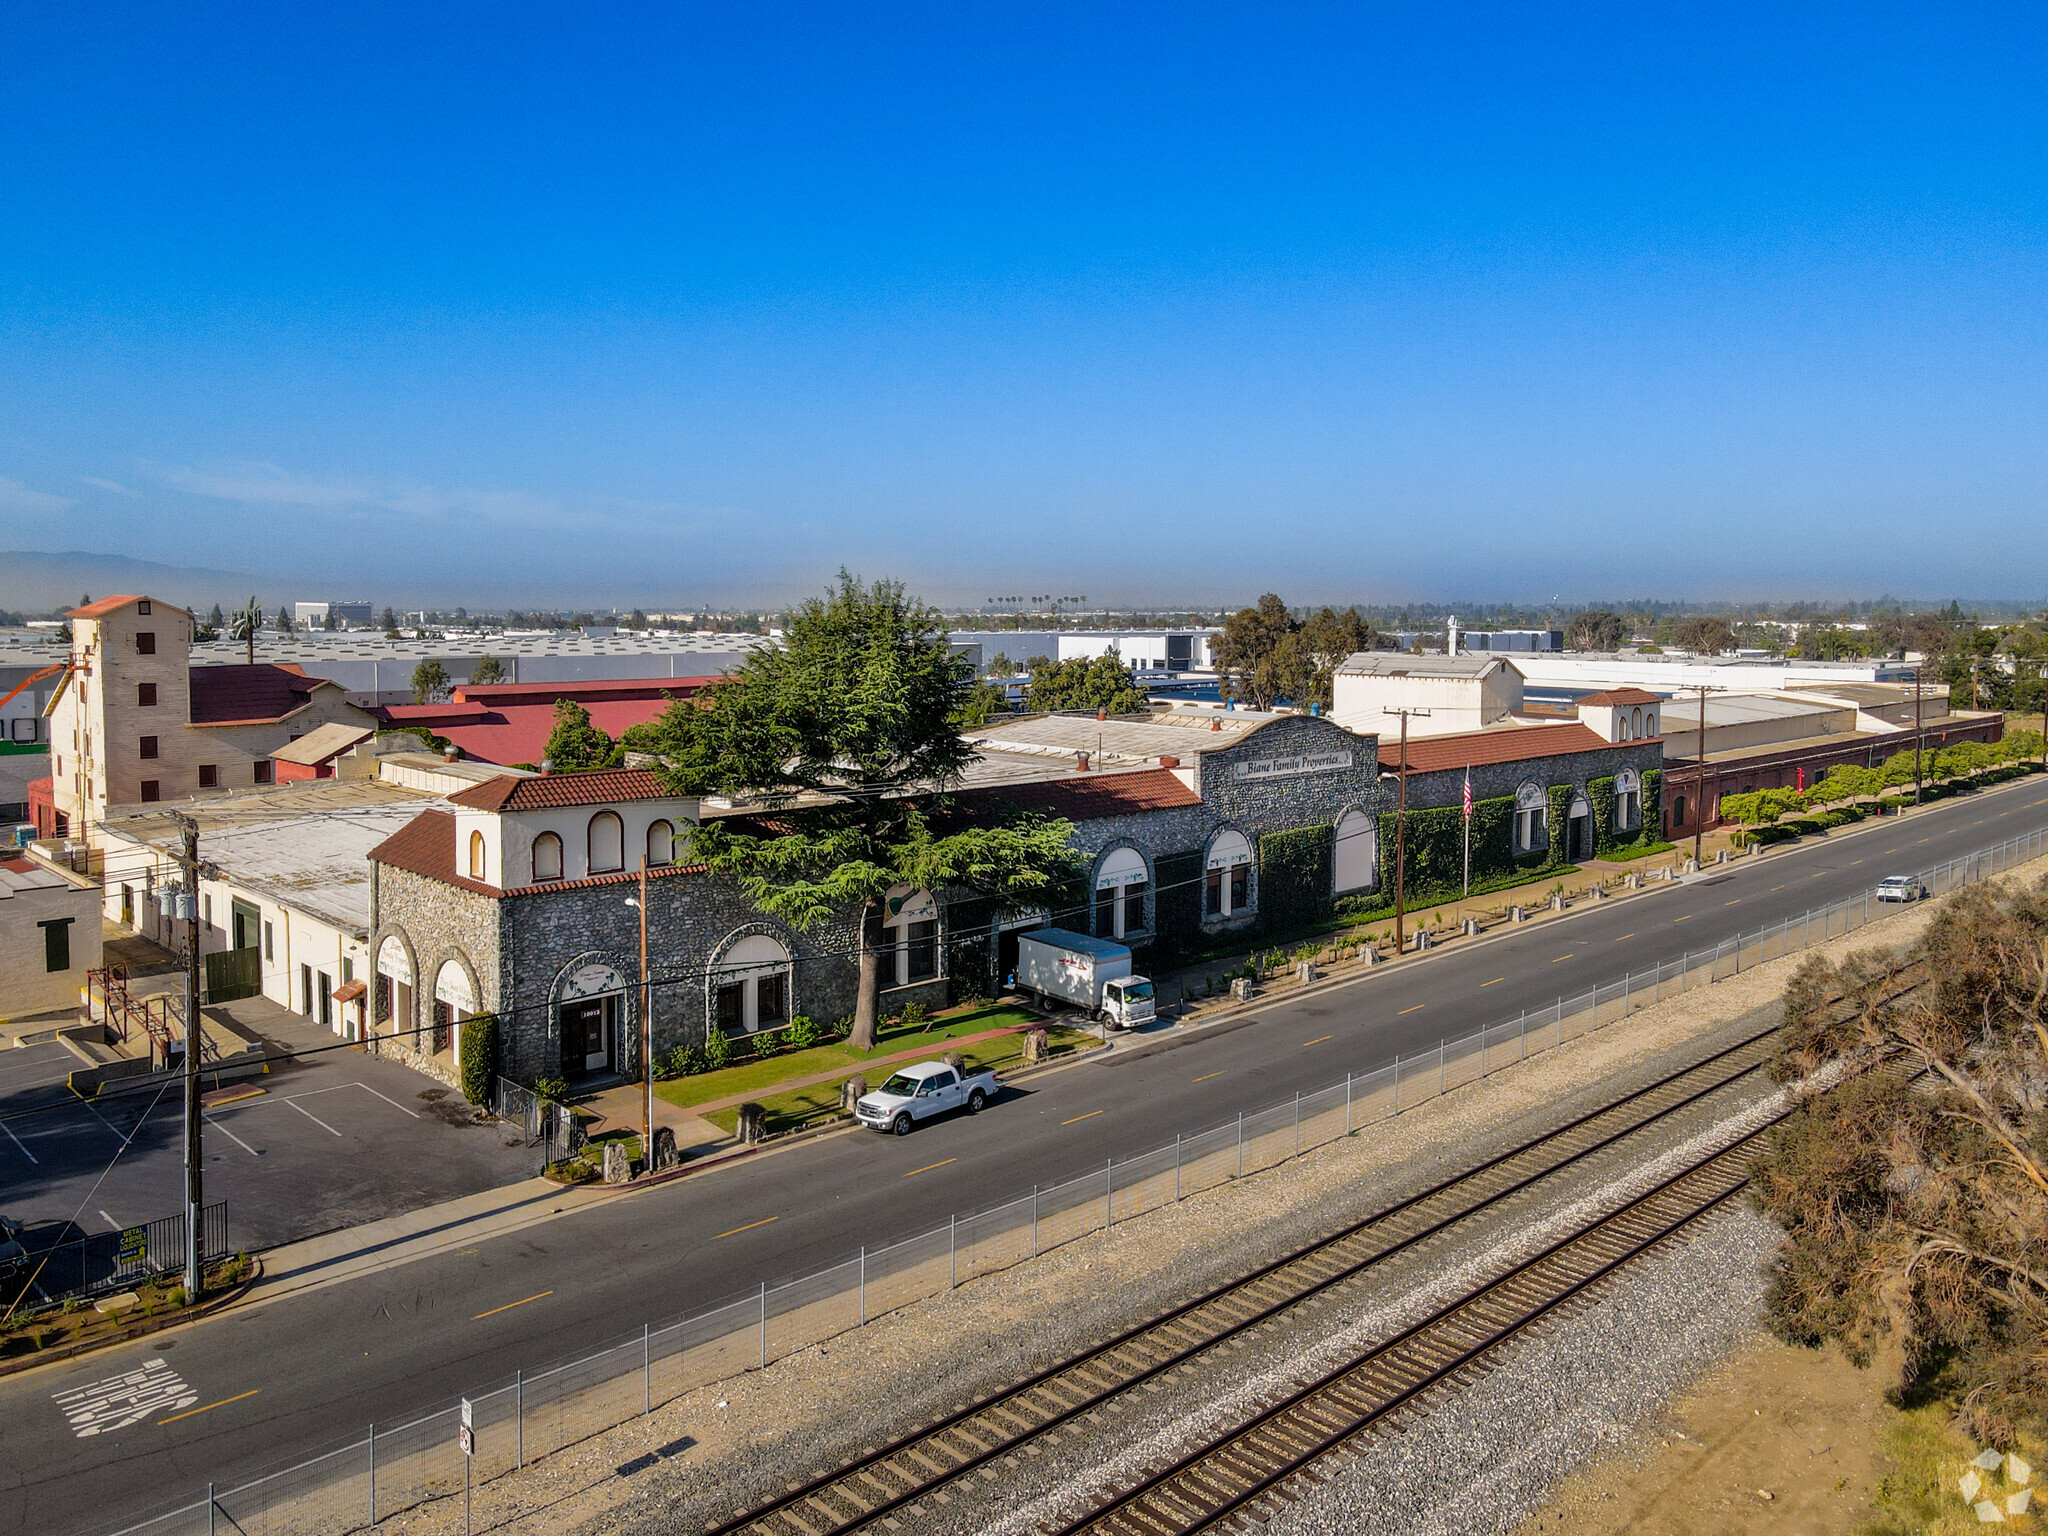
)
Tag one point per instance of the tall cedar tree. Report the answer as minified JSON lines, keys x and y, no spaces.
{"x":858,"y":702}
{"x":1266,"y":656}
{"x":575,"y":744}
{"x":1915,"y":1195}
{"x":430,"y":683}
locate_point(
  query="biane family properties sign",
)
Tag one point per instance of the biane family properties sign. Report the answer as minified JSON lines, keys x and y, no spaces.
{"x":1294,"y":767}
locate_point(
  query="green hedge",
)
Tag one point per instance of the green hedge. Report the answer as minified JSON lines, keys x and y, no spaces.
{"x":1653,"y":803}
{"x":1295,"y":877}
{"x":479,"y":1057}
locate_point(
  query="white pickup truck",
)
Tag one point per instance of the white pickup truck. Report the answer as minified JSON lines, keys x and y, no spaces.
{"x":921,"y":1092}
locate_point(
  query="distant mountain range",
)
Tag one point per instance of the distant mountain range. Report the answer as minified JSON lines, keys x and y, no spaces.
{"x":32,"y":581}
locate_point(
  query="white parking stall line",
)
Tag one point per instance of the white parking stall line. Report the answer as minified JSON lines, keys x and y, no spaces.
{"x":330,"y":1130}
{"x":119,"y":1135}
{"x":24,"y":1151}
{"x":110,"y":1221}
{"x":231,"y":1136}
{"x":386,"y":1098}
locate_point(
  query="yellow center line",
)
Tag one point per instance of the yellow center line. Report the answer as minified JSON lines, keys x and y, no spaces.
{"x":1854,"y":862}
{"x":160,"y":1423}
{"x":1922,"y":840}
{"x":1777,"y":887}
{"x":1416,"y":1009}
{"x":1493,"y":983}
{"x":928,"y":1167}
{"x":1685,"y":919}
{"x":1079,"y":1118}
{"x":1625,"y":936}
{"x":541,"y":1297}
{"x":748,"y":1227}
{"x":1563,"y":958}
{"x":1319,"y":1039}
{"x":1735,"y":903}
{"x":1207,"y":1075}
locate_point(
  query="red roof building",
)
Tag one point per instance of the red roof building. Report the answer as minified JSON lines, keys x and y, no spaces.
{"x":510,"y":723}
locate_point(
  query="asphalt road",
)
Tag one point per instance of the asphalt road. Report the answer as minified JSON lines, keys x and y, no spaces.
{"x":305,"y":1374}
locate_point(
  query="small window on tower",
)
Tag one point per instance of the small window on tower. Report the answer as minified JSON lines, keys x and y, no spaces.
{"x":143,"y":608}
{"x":147,"y":747}
{"x":151,"y":791}
{"x":145,"y":642}
{"x":209,"y":776}
{"x":145,"y":694}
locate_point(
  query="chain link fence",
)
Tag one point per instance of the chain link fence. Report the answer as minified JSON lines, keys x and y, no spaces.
{"x":389,"y":1468}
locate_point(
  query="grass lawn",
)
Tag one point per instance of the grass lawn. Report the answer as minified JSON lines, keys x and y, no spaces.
{"x":751,"y":1077}
{"x":1630,"y":851}
{"x":786,"y":1111}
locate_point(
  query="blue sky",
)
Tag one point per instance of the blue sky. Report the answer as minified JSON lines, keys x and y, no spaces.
{"x":675,"y":305}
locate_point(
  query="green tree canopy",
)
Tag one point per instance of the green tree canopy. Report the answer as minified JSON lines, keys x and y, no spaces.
{"x":1705,"y":637}
{"x":430,"y":683}
{"x":1254,"y":655}
{"x":488,"y":669}
{"x":1316,"y":650}
{"x":1596,"y":629}
{"x":576,"y":744}
{"x":858,"y":702}
{"x":1095,"y":682}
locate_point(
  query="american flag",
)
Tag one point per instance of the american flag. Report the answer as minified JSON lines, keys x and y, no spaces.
{"x":1468,"y":794}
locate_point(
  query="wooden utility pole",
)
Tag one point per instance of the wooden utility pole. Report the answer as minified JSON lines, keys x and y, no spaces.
{"x":1699,"y":793}
{"x":1401,"y":831}
{"x":195,"y":1196}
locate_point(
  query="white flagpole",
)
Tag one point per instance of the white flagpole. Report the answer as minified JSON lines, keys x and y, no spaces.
{"x":1468,"y":831}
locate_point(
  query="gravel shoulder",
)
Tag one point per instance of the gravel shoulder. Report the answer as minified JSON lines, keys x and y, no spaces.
{"x":726,"y":1447}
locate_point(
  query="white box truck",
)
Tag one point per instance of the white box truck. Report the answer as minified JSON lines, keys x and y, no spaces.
{"x":1093,"y":975}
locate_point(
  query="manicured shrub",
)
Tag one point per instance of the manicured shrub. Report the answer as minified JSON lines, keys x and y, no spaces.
{"x":717,"y":1050}
{"x":803,"y":1033}
{"x":479,"y":1057}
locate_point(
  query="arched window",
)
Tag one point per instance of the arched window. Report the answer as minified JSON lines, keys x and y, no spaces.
{"x":1121,"y":881}
{"x":453,"y":1002}
{"x":1650,"y":723}
{"x":1531,"y":805}
{"x":547,"y":857}
{"x":1357,"y":854}
{"x":1636,"y":716}
{"x":910,"y":921}
{"x":752,"y":985}
{"x":1227,"y":888}
{"x":1628,"y":799}
{"x":476,"y":856}
{"x":394,"y":984}
{"x":607,"y":843}
{"x":1621,"y":732}
{"x":661,"y":843}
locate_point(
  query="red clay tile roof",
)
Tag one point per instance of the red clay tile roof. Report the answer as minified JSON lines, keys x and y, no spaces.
{"x":1088,"y":797}
{"x":511,"y":722}
{"x":107,"y":605}
{"x":1621,"y":696}
{"x":425,"y":846}
{"x":257,"y":695}
{"x":1472,"y":749}
{"x":543,"y":792}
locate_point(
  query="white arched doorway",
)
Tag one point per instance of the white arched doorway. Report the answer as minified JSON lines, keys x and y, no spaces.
{"x":1121,"y":881}
{"x":589,"y":1005}
{"x":752,"y":986}
{"x":1628,"y":800}
{"x":1227,"y":883}
{"x":454,"y":1001}
{"x":1530,"y":805}
{"x":1355,"y":861}
{"x":1578,"y":842}
{"x":394,"y":985}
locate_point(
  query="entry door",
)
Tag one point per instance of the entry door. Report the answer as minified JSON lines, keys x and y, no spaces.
{"x":586,"y":1044}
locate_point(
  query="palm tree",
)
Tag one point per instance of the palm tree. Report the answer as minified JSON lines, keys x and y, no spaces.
{"x":244,"y":625}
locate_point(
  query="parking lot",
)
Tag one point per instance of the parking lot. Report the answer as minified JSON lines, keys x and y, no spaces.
{"x":332,"y":1140}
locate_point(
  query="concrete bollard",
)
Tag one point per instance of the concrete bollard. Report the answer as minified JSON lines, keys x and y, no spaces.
{"x":956,"y":1061}
{"x":618,"y":1167}
{"x":752,"y":1124}
{"x":1034,"y":1046}
{"x":850,"y":1093}
{"x":1471,"y":927}
{"x":1557,"y":901}
{"x":1241,"y":989}
{"x":1305,"y":971}
{"x":665,"y":1154}
{"x":1517,"y":915}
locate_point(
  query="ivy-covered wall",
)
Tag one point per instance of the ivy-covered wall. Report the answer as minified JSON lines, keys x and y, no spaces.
{"x":1653,"y":805}
{"x":1601,"y":793}
{"x":1436,"y":849}
{"x":1296,"y":876}
{"x":1177,"y":903}
{"x":1557,"y":821}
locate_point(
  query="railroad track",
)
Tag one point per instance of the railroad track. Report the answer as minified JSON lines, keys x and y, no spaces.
{"x":883,"y":1481}
{"x":1248,"y":1470}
